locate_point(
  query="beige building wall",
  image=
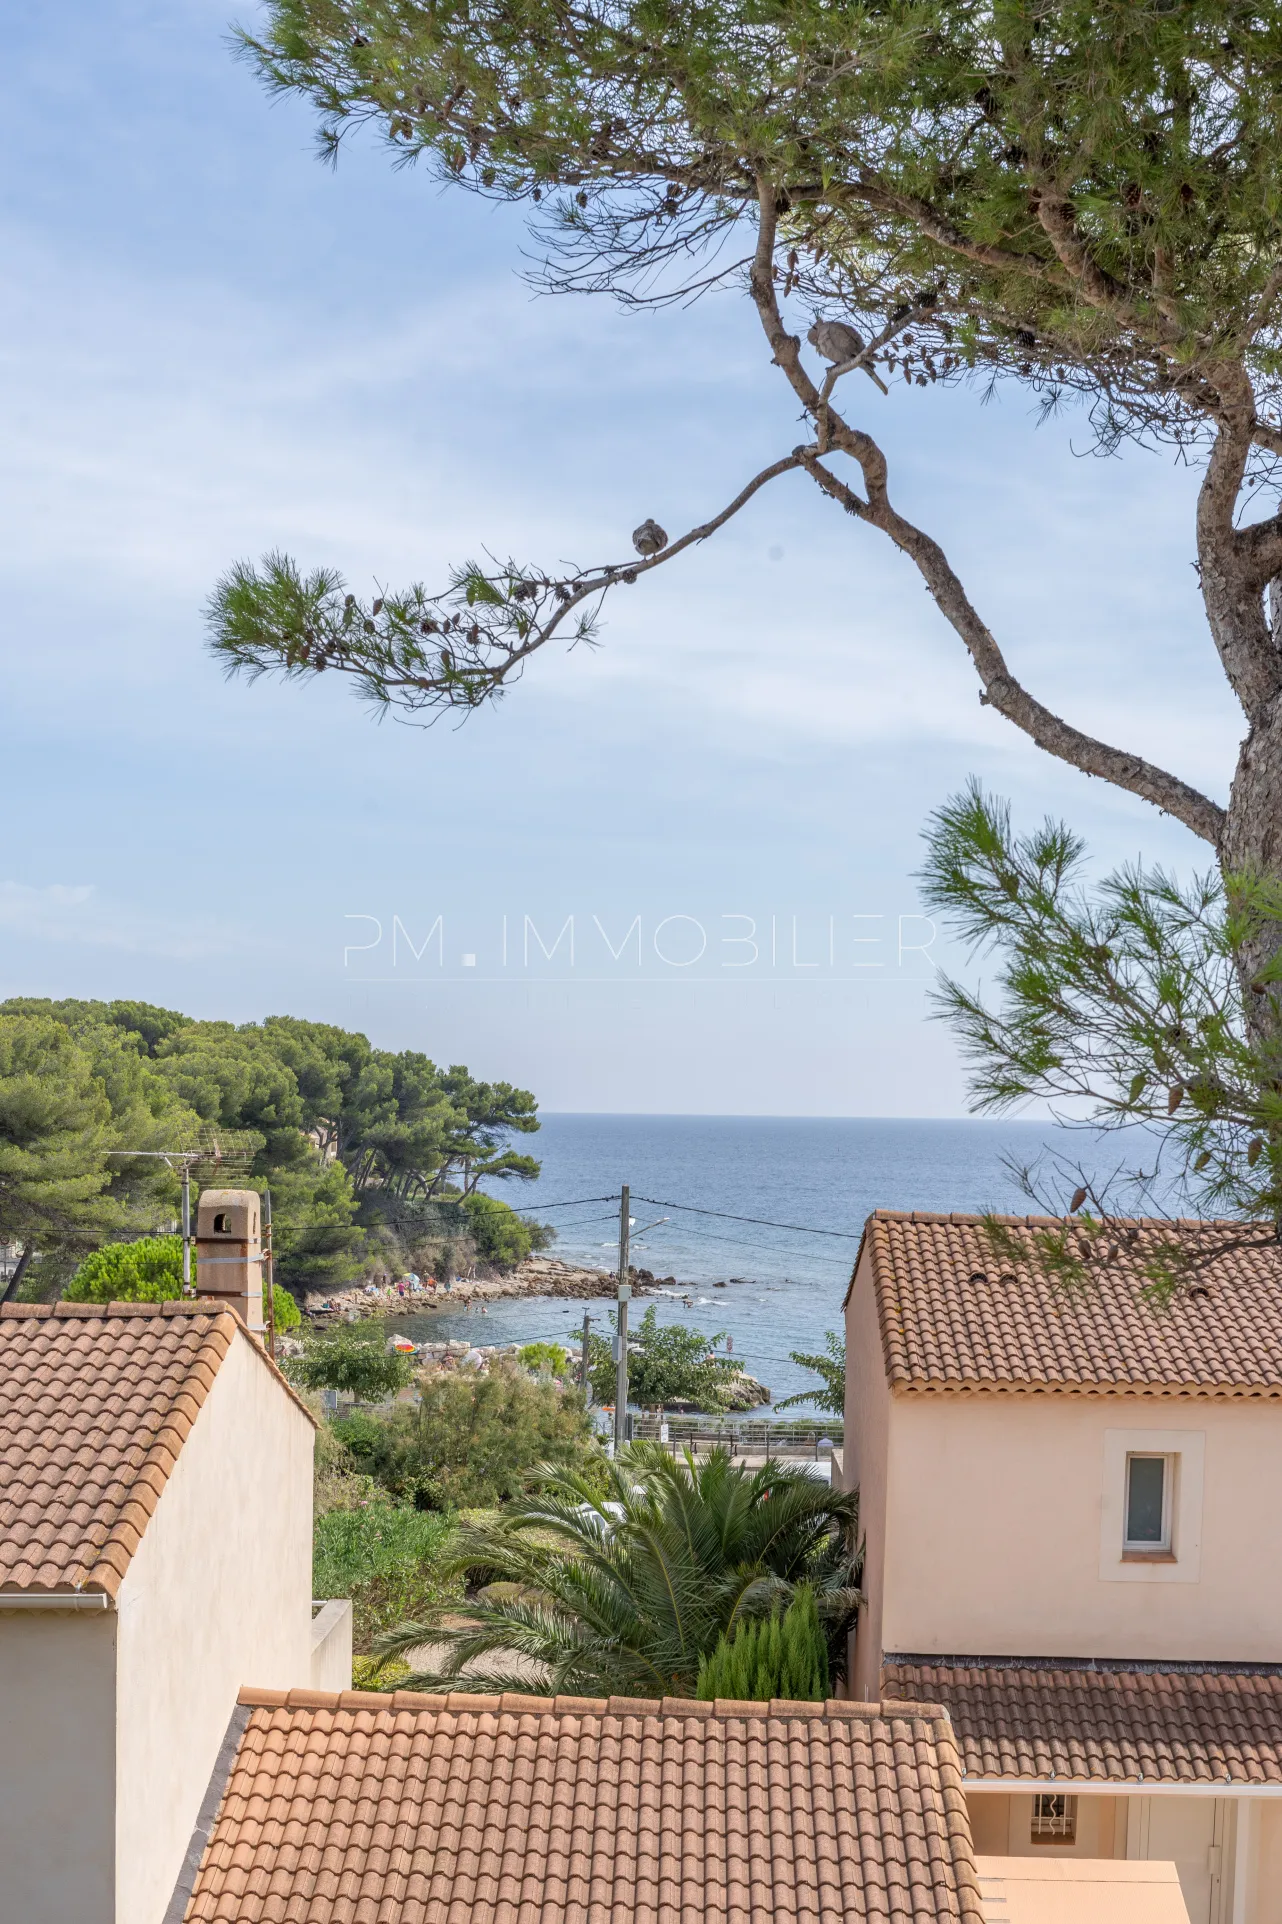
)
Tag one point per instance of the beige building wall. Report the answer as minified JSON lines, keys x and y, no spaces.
{"x":865,"y":1467}
{"x":1001,"y":1520}
{"x":218,"y":1595}
{"x":1002,"y":1823}
{"x":1265,"y":1868}
{"x":57,"y":1766}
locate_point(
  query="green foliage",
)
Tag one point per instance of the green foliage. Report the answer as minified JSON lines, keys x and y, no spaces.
{"x":316,"y":1242}
{"x":473,"y":1440}
{"x":622,"y":1583}
{"x":830,"y":1394}
{"x":55,"y":1132}
{"x":388,"y":1558}
{"x":971,"y":149}
{"x":352,"y":1357}
{"x":667,"y":1363}
{"x":350,"y":1139}
{"x":146,"y":1271}
{"x":782,"y":1655}
{"x":150,"y":1270}
{"x":545,"y":1359}
{"x":1123,"y":1000}
{"x":1081,"y":199}
{"x":500,"y":1235}
{"x":285,"y":1310}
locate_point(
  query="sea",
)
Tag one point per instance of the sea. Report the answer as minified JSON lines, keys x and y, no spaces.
{"x":757,"y":1218}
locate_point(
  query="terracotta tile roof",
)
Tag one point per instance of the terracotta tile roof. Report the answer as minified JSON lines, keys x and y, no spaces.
{"x":1105,"y":1725}
{"x":955,"y":1317}
{"x":526,"y":1810}
{"x":95,"y":1403}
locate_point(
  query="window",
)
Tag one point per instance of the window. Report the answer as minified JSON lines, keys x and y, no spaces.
{"x":1150,"y":1516}
{"x":1148,"y":1504}
{"x":1054,"y":1819}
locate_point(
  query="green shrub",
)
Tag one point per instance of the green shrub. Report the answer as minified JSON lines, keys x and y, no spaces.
{"x":500,"y":1235}
{"x":148,"y":1271}
{"x":352,"y":1357}
{"x":667,"y":1363}
{"x":473,"y":1440}
{"x":385,"y":1557}
{"x":151,"y":1271}
{"x":775,"y":1656}
{"x":544,"y":1359}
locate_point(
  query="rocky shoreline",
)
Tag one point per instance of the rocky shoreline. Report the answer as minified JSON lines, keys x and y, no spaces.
{"x":536,"y":1276}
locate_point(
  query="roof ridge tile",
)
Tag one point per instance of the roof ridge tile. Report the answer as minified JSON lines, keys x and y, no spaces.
{"x":517,"y":1704}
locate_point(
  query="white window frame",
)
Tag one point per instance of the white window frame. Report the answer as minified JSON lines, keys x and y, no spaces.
{"x":1045,"y":1829}
{"x":1182,"y":1563}
{"x":1165,"y":1544}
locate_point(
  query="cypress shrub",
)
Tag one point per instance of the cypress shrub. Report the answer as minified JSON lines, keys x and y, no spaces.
{"x":776,"y":1656}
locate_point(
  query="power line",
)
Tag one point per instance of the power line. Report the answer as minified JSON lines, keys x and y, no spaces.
{"x":765,"y":1249}
{"x":802,"y":1229}
{"x":574,"y":1203}
{"x":578,"y":1222}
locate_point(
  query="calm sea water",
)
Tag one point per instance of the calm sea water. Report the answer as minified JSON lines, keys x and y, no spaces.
{"x":783,"y":1287}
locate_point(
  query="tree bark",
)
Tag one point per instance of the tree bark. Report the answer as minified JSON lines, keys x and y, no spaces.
{"x":20,"y":1269}
{"x":1000,"y":688}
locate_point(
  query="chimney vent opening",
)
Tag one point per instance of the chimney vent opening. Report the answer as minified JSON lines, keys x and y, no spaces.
{"x":222,"y":1224}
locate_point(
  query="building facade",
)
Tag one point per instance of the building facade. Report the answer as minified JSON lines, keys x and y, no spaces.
{"x":155,"y":1554}
{"x":1072,"y":1538}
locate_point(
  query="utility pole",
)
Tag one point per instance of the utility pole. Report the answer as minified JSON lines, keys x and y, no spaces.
{"x":583,"y":1362}
{"x":186,"y":1175}
{"x":271,"y":1275}
{"x":621,"y":1323}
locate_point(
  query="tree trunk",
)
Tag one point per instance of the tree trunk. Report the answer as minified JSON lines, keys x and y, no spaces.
{"x":22,"y":1266}
{"x":1252,"y":845}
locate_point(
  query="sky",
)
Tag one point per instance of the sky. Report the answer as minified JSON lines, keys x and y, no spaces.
{"x":673,"y":874}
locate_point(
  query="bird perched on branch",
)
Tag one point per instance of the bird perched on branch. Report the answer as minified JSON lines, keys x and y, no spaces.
{"x":649,"y":538}
{"x":838,"y":342}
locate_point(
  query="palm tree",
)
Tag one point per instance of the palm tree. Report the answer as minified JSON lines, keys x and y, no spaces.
{"x":622,"y":1592}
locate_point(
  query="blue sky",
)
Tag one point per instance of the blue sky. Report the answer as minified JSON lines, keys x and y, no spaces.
{"x":213,"y":345}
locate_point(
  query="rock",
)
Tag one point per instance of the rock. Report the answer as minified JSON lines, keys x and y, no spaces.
{"x":744,"y":1392}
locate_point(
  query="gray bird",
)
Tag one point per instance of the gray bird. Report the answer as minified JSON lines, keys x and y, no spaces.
{"x":649,"y":538}
{"x":838,"y":341}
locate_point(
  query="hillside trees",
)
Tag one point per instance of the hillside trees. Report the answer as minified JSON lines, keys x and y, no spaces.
{"x":353,"y":1357}
{"x":55,"y":1131}
{"x":351,"y":1139}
